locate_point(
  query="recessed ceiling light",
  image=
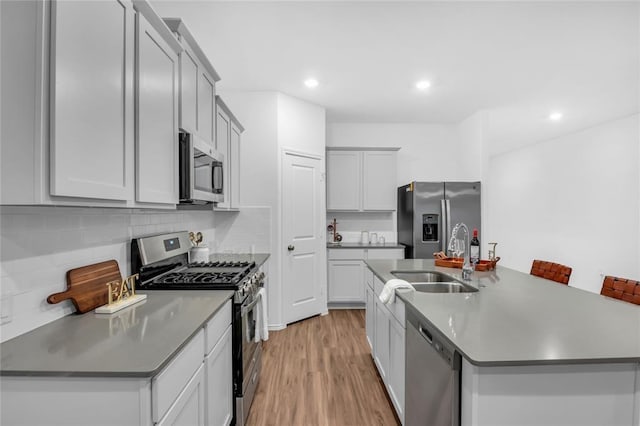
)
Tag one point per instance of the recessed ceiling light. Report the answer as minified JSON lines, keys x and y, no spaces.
{"x":423,"y":85}
{"x":555,"y":116}
{"x":311,"y":83}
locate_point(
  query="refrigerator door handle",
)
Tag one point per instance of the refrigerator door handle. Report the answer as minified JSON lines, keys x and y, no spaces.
{"x":448,"y":212}
{"x":445,"y":226}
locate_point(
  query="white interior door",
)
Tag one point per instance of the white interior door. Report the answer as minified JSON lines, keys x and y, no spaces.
{"x":303,"y":244}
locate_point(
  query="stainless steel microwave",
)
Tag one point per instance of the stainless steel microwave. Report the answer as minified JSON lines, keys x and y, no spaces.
{"x":200,"y":171}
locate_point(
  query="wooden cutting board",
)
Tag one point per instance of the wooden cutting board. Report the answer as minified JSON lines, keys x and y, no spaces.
{"x":87,"y":286}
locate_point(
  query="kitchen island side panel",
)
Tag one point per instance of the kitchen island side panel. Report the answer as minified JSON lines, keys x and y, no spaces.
{"x":590,"y":394}
{"x":75,"y":401}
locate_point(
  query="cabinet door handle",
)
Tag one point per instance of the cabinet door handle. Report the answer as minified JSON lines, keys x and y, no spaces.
{"x":291,"y":248}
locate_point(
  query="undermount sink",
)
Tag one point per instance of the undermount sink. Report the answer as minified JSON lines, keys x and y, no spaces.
{"x":452,"y":287}
{"x":424,"y":277}
{"x":433,"y":282}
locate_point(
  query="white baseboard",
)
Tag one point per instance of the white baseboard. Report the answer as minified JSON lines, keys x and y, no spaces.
{"x":276,"y":327}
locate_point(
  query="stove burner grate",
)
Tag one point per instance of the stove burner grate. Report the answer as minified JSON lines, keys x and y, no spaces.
{"x":206,"y":273}
{"x":220,"y":264}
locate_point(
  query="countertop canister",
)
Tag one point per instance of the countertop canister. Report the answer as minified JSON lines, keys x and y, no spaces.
{"x":199,"y":254}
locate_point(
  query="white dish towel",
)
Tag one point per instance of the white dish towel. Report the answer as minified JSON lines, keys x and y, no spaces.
{"x":388,"y":293}
{"x":262,"y":323}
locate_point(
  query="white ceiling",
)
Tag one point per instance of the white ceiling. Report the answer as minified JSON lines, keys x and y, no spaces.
{"x":516,"y":60}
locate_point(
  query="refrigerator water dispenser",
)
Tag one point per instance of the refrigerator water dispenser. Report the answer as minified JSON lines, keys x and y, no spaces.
{"x":429,"y":227}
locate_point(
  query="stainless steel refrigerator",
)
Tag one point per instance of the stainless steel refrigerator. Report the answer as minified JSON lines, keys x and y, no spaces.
{"x":427,"y":211}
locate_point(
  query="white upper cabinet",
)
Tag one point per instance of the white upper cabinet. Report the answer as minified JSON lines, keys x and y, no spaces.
{"x":234,"y":161}
{"x":344,"y":180}
{"x":206,"y":108}
{"x":379,"y":180}
{"x":361,"y":179}
{"x":223,"y":129}
{"x":188,"y":111}
{"x":91,"y":121}
{"x":228,"y":141}
{"x":94,"y":116}
{"x":197,"y":85}
{"x":157,"y":114}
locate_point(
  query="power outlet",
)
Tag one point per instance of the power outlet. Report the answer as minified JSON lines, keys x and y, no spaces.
{"x":6,"y":309}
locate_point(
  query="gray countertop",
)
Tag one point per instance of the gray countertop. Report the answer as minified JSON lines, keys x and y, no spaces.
{"x":365,"y":246}
{"x":138,"y":341}
{"x":135,"y":342}
{"x":519,"y":319}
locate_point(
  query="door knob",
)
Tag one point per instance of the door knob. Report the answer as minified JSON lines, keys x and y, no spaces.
{"x":291,"y":248}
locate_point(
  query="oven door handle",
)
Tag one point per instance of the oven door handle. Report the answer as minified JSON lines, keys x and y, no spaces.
{"x":250,"y":306}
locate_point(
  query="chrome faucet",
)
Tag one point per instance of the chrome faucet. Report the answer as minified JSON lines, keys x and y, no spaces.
{"x":467,"y":268}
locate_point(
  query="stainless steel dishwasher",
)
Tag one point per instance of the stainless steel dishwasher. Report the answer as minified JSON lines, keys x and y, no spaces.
{"x":432,"y":376}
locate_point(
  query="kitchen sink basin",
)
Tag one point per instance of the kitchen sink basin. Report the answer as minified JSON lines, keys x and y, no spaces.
{"x":423,"y":277}
{"x":433,"y":282}
{"x":450,"y":287}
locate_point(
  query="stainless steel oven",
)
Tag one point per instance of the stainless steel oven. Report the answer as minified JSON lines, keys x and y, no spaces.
{"x":251,"y":357}
{"x":201,"y":171}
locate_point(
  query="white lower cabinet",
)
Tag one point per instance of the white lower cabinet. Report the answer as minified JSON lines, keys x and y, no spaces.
{"x":188,"y":408}
{"x":381,"y":346}
{"x":219,"y":379}
{"x":370,"y":315}
{"x":346,"y":282}
{"x":395,"y":376}
{"x":166,"y":386}
{"x":346,"y":276}
{"x":386,"y":327}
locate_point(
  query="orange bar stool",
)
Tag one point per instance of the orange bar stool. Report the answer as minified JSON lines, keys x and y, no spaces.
{"x":621,"y":288}
{"x":551,"y":271}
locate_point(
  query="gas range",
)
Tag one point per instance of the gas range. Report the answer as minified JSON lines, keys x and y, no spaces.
{"x":162,"y":262}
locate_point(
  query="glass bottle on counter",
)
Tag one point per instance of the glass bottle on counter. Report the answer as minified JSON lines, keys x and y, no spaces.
{"x":474,"y":248}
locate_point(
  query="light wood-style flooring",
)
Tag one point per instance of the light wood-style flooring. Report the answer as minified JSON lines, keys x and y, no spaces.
{"x":320,"y":372}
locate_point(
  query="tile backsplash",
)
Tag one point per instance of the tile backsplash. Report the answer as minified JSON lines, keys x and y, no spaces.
{"x":243,"y":231}
{"x":39,"y":244}
{"x":351,"y":225}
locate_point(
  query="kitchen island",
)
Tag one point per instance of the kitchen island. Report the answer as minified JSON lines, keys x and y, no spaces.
{"x":533,"y":351}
